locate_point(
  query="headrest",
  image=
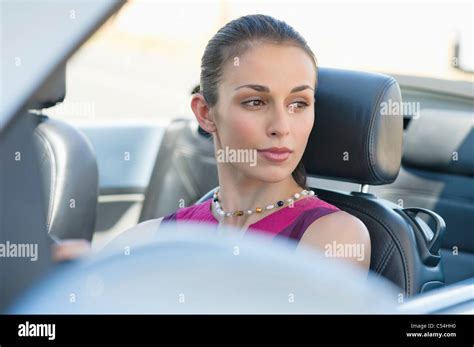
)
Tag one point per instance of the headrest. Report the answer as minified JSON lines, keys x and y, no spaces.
{"x":441,"y":141}
{"x":52,"y":92}
{"x":68,"y":169}
{"x":358,"y":128}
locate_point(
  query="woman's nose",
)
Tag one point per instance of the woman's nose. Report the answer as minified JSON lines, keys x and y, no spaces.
{"x":279,"y":122}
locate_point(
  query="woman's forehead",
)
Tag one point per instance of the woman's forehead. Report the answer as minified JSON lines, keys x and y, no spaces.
{"x":271,"y":65}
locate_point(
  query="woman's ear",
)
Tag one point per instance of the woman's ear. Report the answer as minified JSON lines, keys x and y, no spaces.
{"x":202,"y":112}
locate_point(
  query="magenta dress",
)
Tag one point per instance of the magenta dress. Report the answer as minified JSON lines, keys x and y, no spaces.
{"x":289,"y":222}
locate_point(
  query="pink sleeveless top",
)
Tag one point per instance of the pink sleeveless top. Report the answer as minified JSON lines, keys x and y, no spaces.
{"x":289,"y":222}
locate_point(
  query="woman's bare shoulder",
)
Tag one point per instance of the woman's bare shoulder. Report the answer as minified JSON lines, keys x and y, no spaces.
{"x":343,"y":230}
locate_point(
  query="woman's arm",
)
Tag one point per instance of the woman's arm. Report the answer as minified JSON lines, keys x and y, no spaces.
{"x":76,"y":248}
{"x":340,"y":235}
{"x":147,"y":226}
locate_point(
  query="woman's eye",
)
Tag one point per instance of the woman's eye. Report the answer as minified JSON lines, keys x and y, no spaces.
{"x":254,"y":103}
{"x":298,"y":105}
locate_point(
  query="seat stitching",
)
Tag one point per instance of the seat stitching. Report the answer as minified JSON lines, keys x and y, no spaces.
{"x":387,"y":245}
{"x":384,"y":261}
{"x":384,"y":256}
{"x":383,"y":90}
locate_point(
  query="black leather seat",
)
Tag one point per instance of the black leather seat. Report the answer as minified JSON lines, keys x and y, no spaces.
{"x":357,"y":137}
{"x":357,"y":119}
{"x":438,"y":174}
{"x":68,"y":169}
{"x":185,"y":169}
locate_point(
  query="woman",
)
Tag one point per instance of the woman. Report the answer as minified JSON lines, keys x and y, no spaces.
{"x":256,"y":97}
{"x":258,"y":77}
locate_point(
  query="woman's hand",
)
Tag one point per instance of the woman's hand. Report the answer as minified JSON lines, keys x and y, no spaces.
{"x":70,"y":249}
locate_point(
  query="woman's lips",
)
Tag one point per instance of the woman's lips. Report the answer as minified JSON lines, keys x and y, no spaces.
{"x":275,"y":156}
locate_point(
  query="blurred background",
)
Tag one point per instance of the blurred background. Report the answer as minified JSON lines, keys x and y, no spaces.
{"x":143,"y":64}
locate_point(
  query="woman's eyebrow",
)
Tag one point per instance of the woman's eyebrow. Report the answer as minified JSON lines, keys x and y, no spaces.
{"x":300,"y":88}
{"x":264,"y":89}
{"x":257,"y":87}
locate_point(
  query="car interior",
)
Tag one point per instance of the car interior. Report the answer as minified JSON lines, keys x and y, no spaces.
{"x":405,"y":246}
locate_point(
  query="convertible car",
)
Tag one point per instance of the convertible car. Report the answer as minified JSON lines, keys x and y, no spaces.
{"x":93,"y":180}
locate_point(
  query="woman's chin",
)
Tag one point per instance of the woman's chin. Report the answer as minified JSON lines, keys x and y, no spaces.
{"x":272,"y":175}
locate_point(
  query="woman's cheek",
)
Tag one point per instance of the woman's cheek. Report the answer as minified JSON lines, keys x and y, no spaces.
{"x":243,"y":130}
{"x":303,"y":131}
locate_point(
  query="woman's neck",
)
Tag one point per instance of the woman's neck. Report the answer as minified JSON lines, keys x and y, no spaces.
{"x":243,"y":193}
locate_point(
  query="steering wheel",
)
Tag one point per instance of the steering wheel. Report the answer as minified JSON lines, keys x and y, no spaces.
{"x":198,"y":270}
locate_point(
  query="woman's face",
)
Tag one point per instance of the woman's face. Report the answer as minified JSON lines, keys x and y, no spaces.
{"x":265,"y":101}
